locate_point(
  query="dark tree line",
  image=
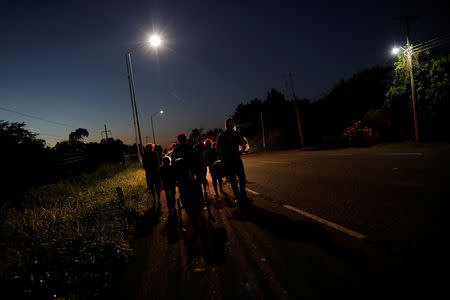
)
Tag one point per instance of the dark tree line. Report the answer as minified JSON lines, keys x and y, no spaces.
{"x":200,"y":134}
{"x":375,"y":102}
{"x":394,"y":118}
{"x":323,"y":120}
{"x":26,"y":161}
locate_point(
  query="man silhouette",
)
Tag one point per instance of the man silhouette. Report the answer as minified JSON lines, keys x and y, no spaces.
{"x":228,"y":144}
{"x":211,"y":159}
{"x":151,"y":164}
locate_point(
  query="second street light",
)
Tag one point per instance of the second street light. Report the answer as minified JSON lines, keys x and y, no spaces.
{"x":154,"y":41}
{"x":408,"y":54}
{"x":151,"y":120}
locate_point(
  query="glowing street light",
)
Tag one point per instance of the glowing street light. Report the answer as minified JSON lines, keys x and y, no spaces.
{"x":395,"y":50}
{"x":407,"y":52}
{"x":154,"y":41}
{"x":151,"y":119}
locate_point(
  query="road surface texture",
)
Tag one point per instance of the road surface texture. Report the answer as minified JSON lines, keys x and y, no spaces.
{"x":355,"y":223}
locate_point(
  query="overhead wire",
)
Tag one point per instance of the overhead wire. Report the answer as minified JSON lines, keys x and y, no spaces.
{"x":437,"y":42}
{"x":433,"y":40}
{"x":36,"y":117}
{"x":44,"y":120}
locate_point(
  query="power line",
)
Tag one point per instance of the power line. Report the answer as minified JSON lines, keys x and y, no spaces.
{"x":36,"y":117}
{"x":50,"y":135}
{"x":442,"y":43}
{"x":42,"y":119}
{"x":435,"y":41}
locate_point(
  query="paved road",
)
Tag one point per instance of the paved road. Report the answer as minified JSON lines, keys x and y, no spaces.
{"x":391,"y":194}
{"x":309,"y":249}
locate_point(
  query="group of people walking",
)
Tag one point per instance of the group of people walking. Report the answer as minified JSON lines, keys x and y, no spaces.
{"x":185,"y":166}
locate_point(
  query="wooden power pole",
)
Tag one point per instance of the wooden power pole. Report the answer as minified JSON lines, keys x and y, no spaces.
{"x":409,"y":53}
{"x":106,"y":133}
{"x":297,"y":113}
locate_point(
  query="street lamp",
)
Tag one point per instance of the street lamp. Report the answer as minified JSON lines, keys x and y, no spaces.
{"x":154,"y":41}
{"x":151,"y":119}
{"x":408,"y":51}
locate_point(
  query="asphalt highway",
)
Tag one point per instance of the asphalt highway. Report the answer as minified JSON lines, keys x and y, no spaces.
{"x":354,"y":223}
{"x":389,"y":194}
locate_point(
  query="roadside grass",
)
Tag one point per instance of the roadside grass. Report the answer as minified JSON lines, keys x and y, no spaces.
{"x":69,"y":240}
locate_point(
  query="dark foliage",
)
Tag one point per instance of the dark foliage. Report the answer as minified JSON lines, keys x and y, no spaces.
{"x":27,"y":162}
{"x":432,"y":86}
{"x":197,"y":135}
{"x":323,"y":121}
{"x":23,"y":158}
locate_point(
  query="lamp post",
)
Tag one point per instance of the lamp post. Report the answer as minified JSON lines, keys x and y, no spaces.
{"x":408,"y":53}
{"x":151,"y":120}
{"x":155,"y":42}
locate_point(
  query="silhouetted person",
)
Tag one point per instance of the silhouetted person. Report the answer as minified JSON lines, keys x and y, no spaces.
{"x":183,"y":158}
{"x":168,"y":178}
{"x":211,"y":158}
{"x":187,"y":171}
{"x":228,"y":145}
{"x":150,"y":161}
{"x":200,"y":168}
{"x":158,"y":149}
{"x":185,"y":151}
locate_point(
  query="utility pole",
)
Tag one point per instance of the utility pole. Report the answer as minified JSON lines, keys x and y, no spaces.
{"x":106,"y":132}
{"x":137,"y":129}
{"x":153,"y":130}
{"x":299,"y":122}
{"x":410,"y":67}
{"x":262,"y":128}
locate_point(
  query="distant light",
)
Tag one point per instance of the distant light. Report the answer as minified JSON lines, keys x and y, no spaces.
{"x":155,"y":41}
{"x":161,"y":111}
{"x":395,"y":50}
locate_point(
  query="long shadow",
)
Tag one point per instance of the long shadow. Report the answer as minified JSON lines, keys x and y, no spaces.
{"x":145,"y":223}
{"x":303,"y":231}
{"x":205,"y":240}
{"x":228,"y":201}
{"x":127,"y":285}
{"x":172,"y":228}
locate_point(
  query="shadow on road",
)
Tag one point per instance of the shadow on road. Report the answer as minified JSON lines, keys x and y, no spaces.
{"x":202,"y":238}
{"x":205,"y":241}
{"x":145,"y":223}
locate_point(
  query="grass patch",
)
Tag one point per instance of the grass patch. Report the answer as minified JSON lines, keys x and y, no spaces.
{"x":70,"y":239}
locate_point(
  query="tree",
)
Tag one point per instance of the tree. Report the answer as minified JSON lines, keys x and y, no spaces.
{"x":351,"y":98}
{"x":78,"y":135}
{"x":24,"y":159}
{"x":75,"y":142}
{"x":14,"y":134}
{"x":432,"y":86}
{"x":247,"y":117}
{"x":195,"y":135}
{"x":278,"y":117}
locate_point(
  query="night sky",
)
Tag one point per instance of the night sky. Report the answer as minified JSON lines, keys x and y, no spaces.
{"x":64,"y":61}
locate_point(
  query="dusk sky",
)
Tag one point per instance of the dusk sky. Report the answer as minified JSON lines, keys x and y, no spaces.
{"x":64,"y":61}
